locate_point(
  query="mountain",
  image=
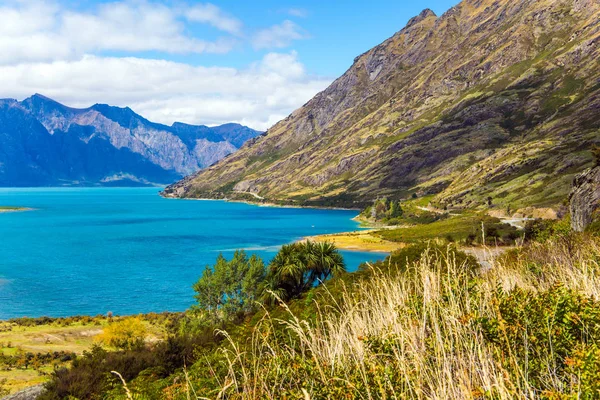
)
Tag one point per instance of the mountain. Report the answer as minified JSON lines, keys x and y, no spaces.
{"x":496,"y":101}
{"x":44,"y":143}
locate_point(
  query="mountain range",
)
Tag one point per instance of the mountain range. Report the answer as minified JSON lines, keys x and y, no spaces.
{"x":44,"y":143}
{"x":494,"y":102}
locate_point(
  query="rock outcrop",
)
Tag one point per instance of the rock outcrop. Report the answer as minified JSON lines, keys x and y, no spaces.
{"x":584,"y":201}
{"x":495,"y":98}
{"x":30,"y":393}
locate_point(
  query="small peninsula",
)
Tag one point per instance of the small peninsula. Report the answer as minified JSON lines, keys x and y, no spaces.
{"x":4,"y":209}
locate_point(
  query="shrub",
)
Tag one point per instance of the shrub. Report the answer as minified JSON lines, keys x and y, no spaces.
{"x":540,"y":331}
{"x":230,"y":289}
{"x":126,"y":334}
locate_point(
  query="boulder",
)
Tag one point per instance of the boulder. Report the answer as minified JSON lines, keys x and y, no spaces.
{"x":584,"y":200}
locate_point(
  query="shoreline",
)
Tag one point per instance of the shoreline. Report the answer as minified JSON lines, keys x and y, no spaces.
{"x":15,"y":209}
{"x":358,"y":240}
{"x":258,"y":204}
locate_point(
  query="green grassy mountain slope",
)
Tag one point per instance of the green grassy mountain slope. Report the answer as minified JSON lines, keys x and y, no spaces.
{"x":493,"y":99}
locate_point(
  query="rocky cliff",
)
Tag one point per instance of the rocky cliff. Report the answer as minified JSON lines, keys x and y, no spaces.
{"x":43,"y":142}
{"x":496,"y":101}
{"x":584,"y":201}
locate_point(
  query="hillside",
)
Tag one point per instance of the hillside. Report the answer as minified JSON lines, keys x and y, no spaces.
{"x":44,"y":143}
{"x":493,"y":102}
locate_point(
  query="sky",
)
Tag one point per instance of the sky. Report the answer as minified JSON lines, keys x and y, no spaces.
{"x":251,"y":62}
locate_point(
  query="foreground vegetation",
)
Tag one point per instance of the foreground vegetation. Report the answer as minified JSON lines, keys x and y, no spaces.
{"x":32,"y":348}
{"x":427,"y":322}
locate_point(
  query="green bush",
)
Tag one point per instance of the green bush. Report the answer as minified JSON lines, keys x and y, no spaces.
{"x":541,"y":332}
{"x":230,"y":289}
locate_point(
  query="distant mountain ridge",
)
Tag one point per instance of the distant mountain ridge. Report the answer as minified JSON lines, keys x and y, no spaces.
{"x":496,"y":101}
{"x":45,"y":143}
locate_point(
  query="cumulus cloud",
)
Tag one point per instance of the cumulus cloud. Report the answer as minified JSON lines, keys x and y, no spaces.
{"x":39,"y":31}
{"x":213,"y":15}
{"x":68,"y":54}
{"x":278,"y":36}
{"x":166,"y":91}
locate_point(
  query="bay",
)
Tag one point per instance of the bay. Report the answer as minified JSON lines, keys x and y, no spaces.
{"x":87,"y":251}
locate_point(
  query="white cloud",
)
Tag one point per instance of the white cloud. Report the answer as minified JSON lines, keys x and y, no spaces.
{"x":40,"y":31}
{"x":48,"y":48}
{"x":166,"y":91}
{"x":211,"y":14}
{"x":278,"y":36}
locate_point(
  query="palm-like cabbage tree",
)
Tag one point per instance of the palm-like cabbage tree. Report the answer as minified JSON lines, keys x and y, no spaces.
{"x":297,"y":267}
{"x":324,"y":260}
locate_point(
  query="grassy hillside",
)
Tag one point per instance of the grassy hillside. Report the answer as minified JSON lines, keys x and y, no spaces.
{"x":427,"y":322}
{"x":493,"y":100}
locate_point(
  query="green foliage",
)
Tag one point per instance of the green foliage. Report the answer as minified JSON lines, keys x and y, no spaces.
{"x":437,"y":254}
{"x":25,"y":359}
{"x":383,"y":210}
{"x":584,"y":366}
{"x":541,"y":230}
{"x":230,"y":289}
{"x":298,"y":267}
{"x":90,"y":377}
{"x":540,"y":332}
{"x":465,"y":228}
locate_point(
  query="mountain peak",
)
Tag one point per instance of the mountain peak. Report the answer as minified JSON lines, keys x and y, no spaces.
{"x":41,"y":98}
{"x":426,"y":13}
{"x":40,"y":102}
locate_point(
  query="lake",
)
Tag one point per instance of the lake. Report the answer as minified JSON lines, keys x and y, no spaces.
{"x":87,"y":251}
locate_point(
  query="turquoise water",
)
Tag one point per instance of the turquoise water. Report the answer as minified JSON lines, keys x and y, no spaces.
{"x":87,"y":251}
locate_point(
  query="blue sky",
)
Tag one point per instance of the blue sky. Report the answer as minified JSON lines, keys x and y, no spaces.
{"x":251,"y":62}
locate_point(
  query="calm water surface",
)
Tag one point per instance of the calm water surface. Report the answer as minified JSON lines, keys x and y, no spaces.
{"x":127,"y":250}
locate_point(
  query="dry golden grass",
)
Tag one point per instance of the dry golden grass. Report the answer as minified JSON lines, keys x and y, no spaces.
{"x":362,"y":240}
{"x":408,"y":335}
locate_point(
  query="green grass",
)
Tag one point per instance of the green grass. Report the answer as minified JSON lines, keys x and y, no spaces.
{"x":458,"y":228}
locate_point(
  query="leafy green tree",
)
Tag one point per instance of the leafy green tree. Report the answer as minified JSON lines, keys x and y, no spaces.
{"x":395,"y":210}
{"x":230,"y":288}
{"x":298,"y":267}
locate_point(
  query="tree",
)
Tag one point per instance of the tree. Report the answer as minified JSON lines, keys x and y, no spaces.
{"x":298,"y":267}
{"x":395,"y":210}
{"x":127,"y":334}
{"x":379,"y":209}
{"x":230,"y":288}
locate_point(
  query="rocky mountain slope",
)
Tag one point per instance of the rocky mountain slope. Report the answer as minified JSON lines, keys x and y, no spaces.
{"x":494,"y":102}
{"x":43,"y":142}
